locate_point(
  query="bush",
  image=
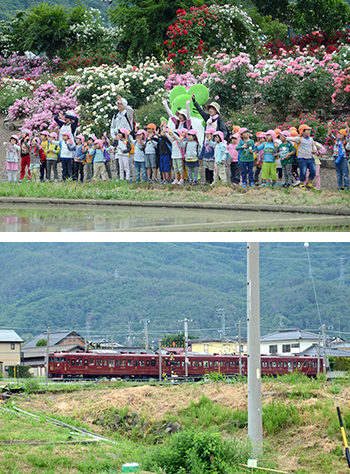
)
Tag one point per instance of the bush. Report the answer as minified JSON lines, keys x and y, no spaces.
{"x":253,"y":119}
{"x":195,"y":451}
{"x":319,"y":127}
{"x":280,"y":92}
{"x":23,"y":371}
{"x":278,"y":416}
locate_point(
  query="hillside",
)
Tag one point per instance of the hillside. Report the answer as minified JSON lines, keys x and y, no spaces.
{"x":64,"y":285}
{"x":8,"y":7}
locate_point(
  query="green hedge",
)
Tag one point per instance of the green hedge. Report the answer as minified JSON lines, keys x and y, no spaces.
{"x":23,"y":371}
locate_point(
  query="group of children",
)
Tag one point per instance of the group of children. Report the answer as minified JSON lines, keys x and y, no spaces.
{"x":276,"y":154}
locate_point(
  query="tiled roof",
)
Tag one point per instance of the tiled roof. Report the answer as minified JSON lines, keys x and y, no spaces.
{"x":289,"y":335}
{"x":55,"y":338}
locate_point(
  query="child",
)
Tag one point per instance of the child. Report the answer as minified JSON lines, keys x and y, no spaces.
{"x":34,"y":153}
{"x":221,"y":155}
{"x":321,"y":150}
{"x":306,"y":146}
{"x":52,"y":154}
{"x":123,"y":149}
{"x":89,"y":157}
{"x":261,"y":138}
{"x":164,"y":150}
{"x":268,"y":168}
{"x":247,"y":147}
{"x":294,"y":133}
{"x":79,"y":157}
{"x":44,"y":144}
{"x":67,"y":148}
{"x":176,"y":155}
{"x":139,"y":155}
{"x":183,"y":117}
{"x":24,"y":143}
{"x":99,"y":161}
{"x":279,"y":170}
{"x":151,"y":144}
{"x":339,"y":155}
{"x":191,"y":156}
{"x":207,"y":155}
{"x":107,"y":145}
{"x":235,"y":165}
{"x":12,"y":157}
{"x":286,"y":153}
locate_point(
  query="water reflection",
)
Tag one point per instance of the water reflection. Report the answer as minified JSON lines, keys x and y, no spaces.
{"x":122,"y":218}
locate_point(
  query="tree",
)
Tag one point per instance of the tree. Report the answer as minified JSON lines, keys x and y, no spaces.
{"x":275,"y":8}
{"x":41,"y":343}
{"x":144,"y":24}
{"x":175,"y":340}
{"x":324,"y":15}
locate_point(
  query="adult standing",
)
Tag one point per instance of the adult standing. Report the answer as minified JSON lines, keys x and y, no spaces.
{"x":67,"y":123}
{"x":124,"y":119}
{"x":212,"y":117}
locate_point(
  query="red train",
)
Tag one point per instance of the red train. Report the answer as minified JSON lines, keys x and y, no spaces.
{"x":92,"y":365}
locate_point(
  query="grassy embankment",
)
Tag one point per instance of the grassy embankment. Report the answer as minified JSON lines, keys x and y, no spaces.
{"x":168,"y":193}
{"x":301,"y":429}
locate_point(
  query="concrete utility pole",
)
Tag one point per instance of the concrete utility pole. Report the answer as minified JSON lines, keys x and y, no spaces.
{"x":240,"y":347}
{"x":47,"y":357}
{"x":318,"y":353}
{"x":186,"y":321}
{"x":254,"y":363}
{"x":145,"y":322}
{"x":324,"y":347}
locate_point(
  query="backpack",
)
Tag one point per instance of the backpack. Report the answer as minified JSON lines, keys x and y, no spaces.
{"x":42,"y":155}
{"x":132,"y":151}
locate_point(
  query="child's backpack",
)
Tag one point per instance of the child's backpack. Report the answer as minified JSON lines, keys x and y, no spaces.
{"x":42,"y":155}
{"x":132,"y":151}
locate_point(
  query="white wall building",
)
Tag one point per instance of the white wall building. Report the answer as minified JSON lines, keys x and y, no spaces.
{"x":287,"y":342}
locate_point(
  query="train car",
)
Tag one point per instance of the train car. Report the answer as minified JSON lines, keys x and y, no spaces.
{"x":142,"y":366}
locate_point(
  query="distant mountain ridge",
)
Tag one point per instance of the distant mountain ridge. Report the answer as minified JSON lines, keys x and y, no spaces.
{"x":107,"y":285}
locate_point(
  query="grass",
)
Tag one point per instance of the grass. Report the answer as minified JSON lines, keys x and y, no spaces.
{"x":301,"y":429}
{"x":224,"y":194}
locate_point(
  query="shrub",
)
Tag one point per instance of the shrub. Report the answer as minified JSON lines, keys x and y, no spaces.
{"x":280,"y":92}
{"x":195,"y":451}
{"x":23,"y":371}
{"x":278,"y":416}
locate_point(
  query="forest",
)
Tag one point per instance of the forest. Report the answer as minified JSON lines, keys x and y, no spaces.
{"x":64,"y":286}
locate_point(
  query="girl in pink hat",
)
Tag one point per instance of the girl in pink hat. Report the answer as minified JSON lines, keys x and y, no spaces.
{"x":268,"y":169}
{"x":222,"y":157}
{"x":207,"y":155}
{"x":12,"y":157}
{"x":235,"y":167}
{"x":286,"y":153}
{"x":99,"y":161}
{"x":24,"y":143}
{"x":191,"y":156}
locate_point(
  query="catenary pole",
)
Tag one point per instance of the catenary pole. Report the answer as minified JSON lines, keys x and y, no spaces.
{"x":254,"y":364}
{"x":47,"y":357}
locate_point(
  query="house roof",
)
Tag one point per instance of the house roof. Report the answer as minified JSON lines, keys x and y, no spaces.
{"x":55,"y":338}
{"x":227,"y":340}
{"x":9,"y":335}
{"x":313,"y":351}
{"x":42,"y":350}
{"x":289,"y":335}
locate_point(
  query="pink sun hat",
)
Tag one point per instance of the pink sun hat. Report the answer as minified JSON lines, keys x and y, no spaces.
{"x":69,"y":136}
{"x":272,"y":133}
{"x":242,"y":130}
{"x":210,"y":130}
{"x":286,"y":133}
{"x":53,"y":135}
{"x":192,"y":132}
{"x":220,"y":134}
{"x":15,"y":137}
{"x":44,"y":132}
{"x":99,"y":142}
{"x":27,"y":131}
{"x":82,"y":138}
{"x":124,"y":131}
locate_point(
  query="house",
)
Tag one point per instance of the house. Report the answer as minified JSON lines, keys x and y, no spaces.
{"x":287,"y":341}
{"x":35,"y":356}
{"x":10,"y":350}
{"x":228,"y":345}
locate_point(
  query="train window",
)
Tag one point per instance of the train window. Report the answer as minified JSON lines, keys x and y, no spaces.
{"x":227,"y":363}
{"x":154,"y":362}
{"x":105,"y":362}
{"x":110,"y":362}
{"x":73,"y":362}
{"x":147,"y":363}
{"x":189,"y":363}
{"x":117,"y":362}
{"x":222,"y":363}
{"x":59,"y":359}
{"x":130,"y":364}
{"x":233,"y":363}
{"x":264,"y":364}
{"x":295,"y":363}
{"x":274,"y":364}
{"x":305,"y":364}
{"x":216,"y":363}
{"x":91,"y":361}
{"x":243,"y":363}
{"x":135,"y":363}
{"x":290,"y":364}
{"x":195,"y":363}
{"x":299,"y":363}
{"x":141,"y":363}
{"x":51,"y":359}
{"x":270,"y":364}
{"x":183,"y":363}
{"x":86,"y":362}
{"x":285,"y":364}
{"x":80,"y":362}
{"x":200,"y":363}
{"x":280,"y":363}
{"x":210,"y":363}
{"x":123,"y":363}
{"x":68,"y":361}
{"x":205,"y":363}
{"x":99,"y":362}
